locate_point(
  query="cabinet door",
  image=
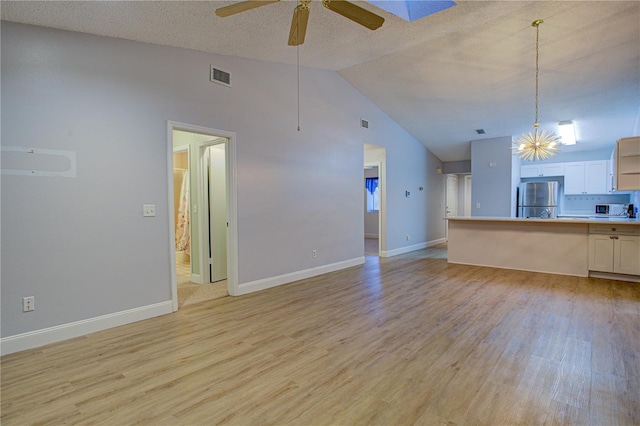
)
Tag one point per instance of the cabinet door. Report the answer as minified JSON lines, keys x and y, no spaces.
{"x":530,"y":170}
{"x":601,"y":253}
{"x":555,"y":169}
{"x":595,"y":177}
{"x":627,"y":255}
{"x":574,"y":178}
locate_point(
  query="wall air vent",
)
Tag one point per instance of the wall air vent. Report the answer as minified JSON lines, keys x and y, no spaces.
{"x":219,"y":76}
{"x":364,"y":123}
{"x":481,"y":131}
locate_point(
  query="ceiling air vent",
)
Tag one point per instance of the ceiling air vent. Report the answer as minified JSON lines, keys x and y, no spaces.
{"x":364,"y":123}
{"x":481,"y":131}
{"x":220,"y":76}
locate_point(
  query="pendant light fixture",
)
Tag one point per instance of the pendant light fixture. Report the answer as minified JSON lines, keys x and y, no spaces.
{"x":536,"y":145}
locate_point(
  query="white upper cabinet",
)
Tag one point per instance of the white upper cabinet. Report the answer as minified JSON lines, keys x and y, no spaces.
{"x":542,"y":170}
{"x":586,"y":177}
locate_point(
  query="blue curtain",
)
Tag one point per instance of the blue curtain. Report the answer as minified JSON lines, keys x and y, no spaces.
{"x":371,"y":184}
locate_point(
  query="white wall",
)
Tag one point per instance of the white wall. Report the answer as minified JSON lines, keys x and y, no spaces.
{"x":81,"y":246}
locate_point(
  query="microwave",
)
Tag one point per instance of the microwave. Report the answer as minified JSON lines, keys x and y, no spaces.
{"x":610,"y":209}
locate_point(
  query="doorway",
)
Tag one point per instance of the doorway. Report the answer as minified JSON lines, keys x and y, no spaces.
{"x":211,"y":214}
{"x":467,"y":196}
{"x":371,"y":211}
{"x":375,"y":164}
{"x":451,"y":199}
{"x":182,"y":215}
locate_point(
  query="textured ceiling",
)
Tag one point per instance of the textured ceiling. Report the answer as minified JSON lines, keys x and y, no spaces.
{"x":441,"y":77}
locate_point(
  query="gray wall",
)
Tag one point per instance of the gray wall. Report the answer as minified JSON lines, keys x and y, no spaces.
{"x":495,"y":174}
{"x":81,"y":246}
{"x":456,"y":167}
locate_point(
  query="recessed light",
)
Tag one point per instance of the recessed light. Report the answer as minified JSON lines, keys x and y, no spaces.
{"x":481,"y":131}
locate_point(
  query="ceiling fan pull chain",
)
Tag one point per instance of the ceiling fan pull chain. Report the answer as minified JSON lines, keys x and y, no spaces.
{"x":298,"y":75}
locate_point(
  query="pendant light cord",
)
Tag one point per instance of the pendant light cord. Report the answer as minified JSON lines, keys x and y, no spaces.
{"x":298,"y":64}
{"x":537,"y":25}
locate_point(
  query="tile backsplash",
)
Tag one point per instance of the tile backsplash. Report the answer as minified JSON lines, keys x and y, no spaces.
{"x":585,"y":204}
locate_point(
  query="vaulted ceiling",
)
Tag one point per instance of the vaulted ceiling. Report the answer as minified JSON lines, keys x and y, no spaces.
{"x":468,"y":67}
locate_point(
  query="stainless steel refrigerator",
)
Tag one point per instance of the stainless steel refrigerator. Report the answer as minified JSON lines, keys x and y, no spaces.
{"x":538,"y":200}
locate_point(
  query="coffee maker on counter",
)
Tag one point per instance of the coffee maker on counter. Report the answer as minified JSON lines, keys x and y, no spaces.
{"x":631,"y":213}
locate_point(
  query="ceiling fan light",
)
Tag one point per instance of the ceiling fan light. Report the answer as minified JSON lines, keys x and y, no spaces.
{"x":567,"y":132}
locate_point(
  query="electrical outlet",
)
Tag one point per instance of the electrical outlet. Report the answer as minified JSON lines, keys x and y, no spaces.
{"x":477,"y":205}
{"x":28,"y":304}
{"x":314,"y":253}
{"x":148,"y":210}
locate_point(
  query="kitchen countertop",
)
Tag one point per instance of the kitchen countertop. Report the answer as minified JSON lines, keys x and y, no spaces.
{"x":586,"y":219}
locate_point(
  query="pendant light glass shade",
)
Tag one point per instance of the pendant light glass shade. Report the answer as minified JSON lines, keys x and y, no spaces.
{"x":536,"y":145}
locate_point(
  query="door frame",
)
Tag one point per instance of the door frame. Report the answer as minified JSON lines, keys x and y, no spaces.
{"x":232,"y":205}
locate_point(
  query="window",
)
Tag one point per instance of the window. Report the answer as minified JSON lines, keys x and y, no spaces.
{"x":373,"y":194}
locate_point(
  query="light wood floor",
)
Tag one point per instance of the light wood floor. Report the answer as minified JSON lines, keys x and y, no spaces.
{"x":399,"y":341}
{"x":371,"y":246}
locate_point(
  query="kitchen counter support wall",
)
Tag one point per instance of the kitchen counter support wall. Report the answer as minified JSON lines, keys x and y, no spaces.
{"x":551,"y":247}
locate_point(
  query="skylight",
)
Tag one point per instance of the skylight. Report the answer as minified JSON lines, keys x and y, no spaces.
{"x":412,"y":10}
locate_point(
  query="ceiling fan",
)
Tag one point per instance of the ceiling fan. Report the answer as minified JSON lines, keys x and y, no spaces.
{"x":301,"y":15}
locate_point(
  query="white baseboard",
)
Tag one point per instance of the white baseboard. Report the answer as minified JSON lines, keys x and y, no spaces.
{"x":518,"y":269}
{"x":34,"y":339}
{"x":408,"y":249}
{"x":612,"y":276}
{"x":266,"y":283}
{"x":197,"y":278}
{"x":436,"y":242}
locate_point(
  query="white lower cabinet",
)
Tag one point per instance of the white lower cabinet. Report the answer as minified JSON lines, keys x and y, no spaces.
{"x":626,"y":259}
{"x":614,"y":249}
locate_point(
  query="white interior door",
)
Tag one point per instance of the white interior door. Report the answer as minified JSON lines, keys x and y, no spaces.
{"x":217,"y":212}
{"x":467,"y":195}
{"x":452,"y":196}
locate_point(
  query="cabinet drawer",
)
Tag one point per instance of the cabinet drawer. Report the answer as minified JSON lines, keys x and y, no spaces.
{"x":614,"y":228}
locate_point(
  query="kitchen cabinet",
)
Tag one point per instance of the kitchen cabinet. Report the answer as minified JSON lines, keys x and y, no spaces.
{"x":586,"y":177}
{"x":615,"y":249}
{"x":628,"y":164}
{"x":542,"y":170}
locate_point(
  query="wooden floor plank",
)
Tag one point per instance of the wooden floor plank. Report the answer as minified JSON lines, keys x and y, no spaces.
{"x":403,"y":340}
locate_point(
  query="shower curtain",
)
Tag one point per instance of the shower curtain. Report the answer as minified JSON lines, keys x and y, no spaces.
{"x":183,"y":242}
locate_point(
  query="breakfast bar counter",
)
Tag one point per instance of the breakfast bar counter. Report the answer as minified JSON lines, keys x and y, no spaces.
{"x":558,"y":246}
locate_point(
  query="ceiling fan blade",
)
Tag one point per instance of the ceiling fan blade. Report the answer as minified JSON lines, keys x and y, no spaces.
{"x":299,"y":25}
{"x":355,"y":13}
{"x":242,"y":7}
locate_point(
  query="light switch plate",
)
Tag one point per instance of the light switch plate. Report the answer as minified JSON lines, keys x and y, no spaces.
{"x":149,"y":210}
